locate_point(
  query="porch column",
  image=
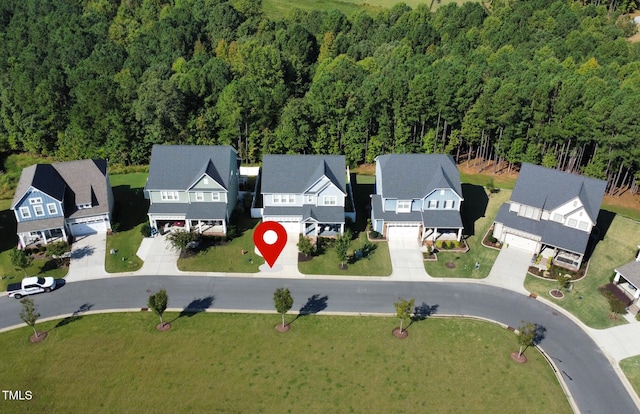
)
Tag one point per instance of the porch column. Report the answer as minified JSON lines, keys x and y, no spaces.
{"x":316,"y":232}
{"x":636,"y":295}
{"x":224,"y":226}
{"x":459,"y":234}
{"x":341,"y":228}
{"x":22,"y":243}
{"x":64,"y":233}
{"x":43,"y":235}
{"x":616,"y":279}
{"x":435,"y":231}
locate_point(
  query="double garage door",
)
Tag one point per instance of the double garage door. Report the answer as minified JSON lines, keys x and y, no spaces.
{"x":89,"y":227}
{"x":402,"y":232}
{"x":521,"y":242}
{"x":292,"y":226}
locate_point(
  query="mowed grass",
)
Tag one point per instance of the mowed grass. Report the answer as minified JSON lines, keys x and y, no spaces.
{"x":618,"y":247}
{"x":278,"y":9}
{"x":235,"y":363}
{"x":478,"y":212}
{"x":377,"y":263}
{"x":631,"y":368}
{"x":227,"y":257}
{"x":130,"y":214}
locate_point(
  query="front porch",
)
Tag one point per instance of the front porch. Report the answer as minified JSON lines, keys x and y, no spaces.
{"x":315,"y":229}
{"x":434,"y":234}
{"x":550,"y":255}
{"x":208,"y":227}
{"x":41,"y":237}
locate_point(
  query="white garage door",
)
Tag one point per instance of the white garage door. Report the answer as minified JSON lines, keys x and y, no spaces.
{"x":290,"y":226}
{"x":91,"y":227}
{"x":520,"y":242}
{"x":402,"y":232}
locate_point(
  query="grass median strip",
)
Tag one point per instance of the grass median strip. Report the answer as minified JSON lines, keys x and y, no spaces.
{"x":239,"y":363}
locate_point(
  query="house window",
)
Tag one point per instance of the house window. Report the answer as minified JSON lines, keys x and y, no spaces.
{"x":52,"y":209}
{"x":557,"y":217}
{"x":284,"y":199}
{"x":403,"y":206}
{"x":330,"y":200}
{"x":215,"y":196}
{"x":529,"y":212}
{"x":583,"y":225}
{"x":441,"y":192}
{"x":572,"y":222}
{"x":83,"y":206}
{"x":199,"y":196}
{"x":449,"y":204}
{"x":38,"y":210}
{"x":206,"y":181}
{"x":35,"y":200}
{"x":169,"y":195}
{"x":309,"y":199}
{"x":25,"y":212}
{"x":433,"y":203}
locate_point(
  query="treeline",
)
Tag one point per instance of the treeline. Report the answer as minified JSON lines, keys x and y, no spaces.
{"x":547,"y":82}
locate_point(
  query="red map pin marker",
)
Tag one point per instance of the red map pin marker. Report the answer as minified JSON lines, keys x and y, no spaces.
{"x":270,"y":238}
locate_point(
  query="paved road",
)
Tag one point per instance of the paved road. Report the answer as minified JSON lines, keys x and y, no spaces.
{"x":589,"y":376}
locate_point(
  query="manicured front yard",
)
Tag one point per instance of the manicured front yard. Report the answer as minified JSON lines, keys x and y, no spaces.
{"x":236,"y":363}
{"x":478,"y":212}
{"x":376,"y":264}
{"x":631,"y":368}
{"x":618,"y":247}
{"x":227,"y":257}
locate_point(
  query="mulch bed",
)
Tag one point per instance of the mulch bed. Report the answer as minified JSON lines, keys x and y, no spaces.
{"x":450,"y":265}
{"x":520,"y":359}
{"x":304,"y":258}
{"x":280,"y":328}
{"x":400,"y":334}
{"x":163,"y":327}
{"x":556,"y":293}
{"x":42,"y":335}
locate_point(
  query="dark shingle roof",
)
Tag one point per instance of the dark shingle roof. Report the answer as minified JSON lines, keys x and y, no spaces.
{"x":548,"y":189}
{"x":177,"y":167}
{"x":72,"y":182}
{"x":293,"y":174}
{"x":550,"y":232}
{"x":408,"y":176}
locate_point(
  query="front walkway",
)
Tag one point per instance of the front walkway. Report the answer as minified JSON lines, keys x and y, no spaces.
{"x":510,"y":269}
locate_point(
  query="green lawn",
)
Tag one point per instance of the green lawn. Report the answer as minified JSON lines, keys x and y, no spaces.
{"x":478,"y":212}
{"x":583,"y":300}
{"x":326,"y":263}
{"x":278,"y":9}
{"x":631,"y":368}
{"x":234,"y":363}
{"x":227,"y":257}
{"x":130,"y":214}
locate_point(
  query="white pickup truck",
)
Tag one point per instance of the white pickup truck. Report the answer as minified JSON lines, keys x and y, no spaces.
{"x":30,"y":286}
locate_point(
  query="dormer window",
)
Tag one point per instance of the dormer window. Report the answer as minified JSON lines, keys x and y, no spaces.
{"x":403,"y":206}
{"x":83,"y":206}
{"x":35,"y":200}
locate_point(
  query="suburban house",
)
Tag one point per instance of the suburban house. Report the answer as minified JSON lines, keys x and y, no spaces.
{"x":628,"y":279}
{"x":550,"y":213}
{"x":305,"y":193}
{"x":194,"y":187}
{"x":61,"y":200}
{"x":417,"y":196}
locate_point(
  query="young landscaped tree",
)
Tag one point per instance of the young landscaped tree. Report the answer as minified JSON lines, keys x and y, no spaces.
{"x":305,"y":246}
{"x":21,"y":259}
{"x":29,"y":314}
{"x":616,"y":306}
{"x":283,"y":301}
{"x":343,"y":241}
{"x":158,"y":304}
{"x":180,"y":239}
{"x":404,"y":308}
{"x":525,"y":336}
{"x":57,"y":250}
{"x":563,"y":282}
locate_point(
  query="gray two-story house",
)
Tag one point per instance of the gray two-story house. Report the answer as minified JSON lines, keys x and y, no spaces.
{"x":552,"y":213}
{"x":417,"y":196}
{"x":67,"y":199}
{"x":305,"y":193}
{"x":192,"y":186}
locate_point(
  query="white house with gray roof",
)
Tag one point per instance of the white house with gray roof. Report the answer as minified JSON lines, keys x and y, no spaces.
{"x":305,"y":193}
{"x":417,"y":196}
{"x":55,"y":201}
{"x":552,"y":213}
{"x":192,"y":186}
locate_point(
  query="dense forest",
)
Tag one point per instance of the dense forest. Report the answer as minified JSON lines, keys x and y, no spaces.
{"x":548,"y":82}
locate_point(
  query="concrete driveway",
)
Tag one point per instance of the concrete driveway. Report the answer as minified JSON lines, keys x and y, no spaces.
{"x":406,"y":260}
{"x":87,"y":258}
{"x":510,"y":269}
{"x":158,"y":257}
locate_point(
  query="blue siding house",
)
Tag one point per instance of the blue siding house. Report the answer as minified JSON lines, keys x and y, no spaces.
{"x":417,"y":196}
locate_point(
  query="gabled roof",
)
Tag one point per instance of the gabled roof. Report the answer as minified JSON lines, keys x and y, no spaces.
{"x":294,"y":174}
{"x":409,"y":176}
{"x":547,"y":189}
{"x":72,"y":182}
{"x":178,"y":167}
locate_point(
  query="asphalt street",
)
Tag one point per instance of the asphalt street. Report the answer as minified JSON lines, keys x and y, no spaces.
{"x":588,"y":374}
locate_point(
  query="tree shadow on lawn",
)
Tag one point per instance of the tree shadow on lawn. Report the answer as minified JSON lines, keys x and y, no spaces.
{"x":8,"y":228}
{"x":130,"y":207}
{"x":75,"y":316}
{"x":195,"y":306}
{"x":605,"y":218}
{"x":422,"y":312}
{"x":473,"y":207}
{"x":315,"y":304}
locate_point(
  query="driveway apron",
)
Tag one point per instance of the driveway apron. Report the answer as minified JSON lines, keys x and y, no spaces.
{"x":510,"y":269}
{"x":406,"y":260}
